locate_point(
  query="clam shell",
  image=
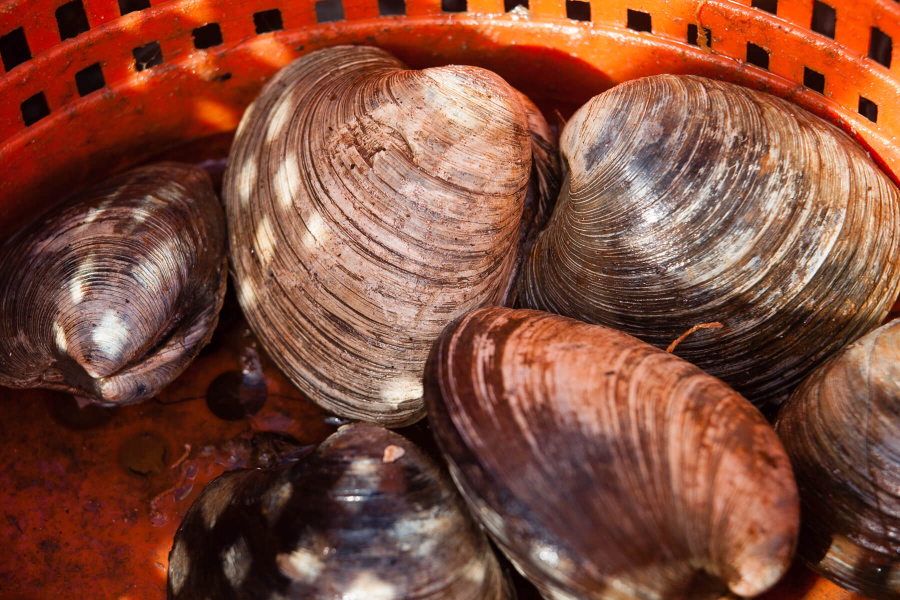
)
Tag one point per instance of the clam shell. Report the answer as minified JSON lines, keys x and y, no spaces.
{"x":604,"y":467}
{"x":367,"y":516}
{"x":691,"y":201}
{"x":841,"y":429}
{"x":112,"y":294}
{"x":368,"y":206}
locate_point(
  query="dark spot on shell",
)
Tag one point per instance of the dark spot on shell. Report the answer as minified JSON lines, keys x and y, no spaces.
{"x":232,"y":397}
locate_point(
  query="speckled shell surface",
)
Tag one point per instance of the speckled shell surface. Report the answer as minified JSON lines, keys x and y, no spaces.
{"x":604,"y":467}
{"x":111,"y":294}
{"x":367,"y":516}
{"x":691,"y":201}
{"x":841,"y":429}
{"x":368,"y":206}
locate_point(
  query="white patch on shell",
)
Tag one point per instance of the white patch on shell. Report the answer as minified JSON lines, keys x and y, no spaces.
{"x":59,"y":336}
{"x":111,"y":335}
{"x":392,"y":453}
{"x":367,"y":586}
{"x":300,"y":565}
{"x":142,"y":214}
{"x":179,"y":567}
{"x":403,"y":388}
{"x":474,"y":572}
{"x":246,"y":180}
{"x":77,"y":284}
{"x":265,"y":241}
{"x":315,"y":233}
{"x":95,"y":212}
{"x":274,"y":499}
{"x":281,"y":183}
{"x":280,"y":119}
{"x":546,"y":554}
{"x":236,"y":561}
{"x":216,"y":499}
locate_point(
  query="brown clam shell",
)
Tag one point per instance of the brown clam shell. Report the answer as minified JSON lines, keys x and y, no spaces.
{"x":367,"y":516}
{"x":368,"y":206}
{"x":691,"y":201}
{"x":112,"y":294}
{"x":841,"y":429}
{"x":606,"y":468}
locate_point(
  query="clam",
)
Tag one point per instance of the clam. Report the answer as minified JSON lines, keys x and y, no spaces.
{"x":841,"y":429}
{"x":689,"y":201}
{"x":604,"y":467}
{"x":369,"y":205}
{"x":367,"y":515}
{"x":113,"y":293}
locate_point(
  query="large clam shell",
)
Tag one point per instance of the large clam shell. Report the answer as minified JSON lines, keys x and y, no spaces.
{"x":841,"y":429}
{"x":367,"y":516}
{"x":691,"y":201}
{"x":368,"y":206}
{"x":111,"y":295}
{"x":604,"y":467}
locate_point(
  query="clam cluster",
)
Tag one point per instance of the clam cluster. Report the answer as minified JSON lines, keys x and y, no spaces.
{"x":405,"y":242}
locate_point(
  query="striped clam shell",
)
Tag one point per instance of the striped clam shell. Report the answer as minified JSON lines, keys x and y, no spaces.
{"x":605,"y":468}
{"x":367,"y":515}
{"x":113,"y":293}
{"x":690,"y":201}
{"x":841,"y":429}
{"x":368,"y":206}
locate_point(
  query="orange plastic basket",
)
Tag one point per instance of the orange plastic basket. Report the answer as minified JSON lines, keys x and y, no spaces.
{"x":88,"y":87}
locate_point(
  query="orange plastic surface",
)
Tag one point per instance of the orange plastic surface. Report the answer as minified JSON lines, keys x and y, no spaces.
{"x":91,"y":499}
{"x":561,"y":62}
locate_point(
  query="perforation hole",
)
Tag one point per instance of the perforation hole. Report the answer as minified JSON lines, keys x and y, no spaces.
{"x":770,"y":6}
{"x":639,"y":21}
{"x":454,"y":6}
{"x":147,"y":56}
{"x":34,"y":109}
{"x":130,"y":6}
{"x":868,"y":109}
{"x":89,"y":80}
{"x":387,"y":8}
{"x":71,"y":20}
{"x":757,"y":55}
{"x":509,"y":5}
{"x":14,"y":49}
{"x":693,"y":35}
{"x":268,"y":20}
{"x":880,"y":47}
{"x":823,"y":19}
{"x":578,"y":11}
{"x":813,"y":80}
{"x":328,"y":11}
{"x":207,"y":36}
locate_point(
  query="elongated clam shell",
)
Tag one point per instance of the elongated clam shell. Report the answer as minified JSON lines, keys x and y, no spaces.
{"x":604,"y":467}
{"x":368,"y":515}
{"x":368,"y":206}
{"x":841,"y":429}
{"x":111,"y":295}
{"x":691,"y":201}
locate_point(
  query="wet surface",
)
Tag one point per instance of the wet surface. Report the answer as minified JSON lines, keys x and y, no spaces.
{"x":93,"y":495}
